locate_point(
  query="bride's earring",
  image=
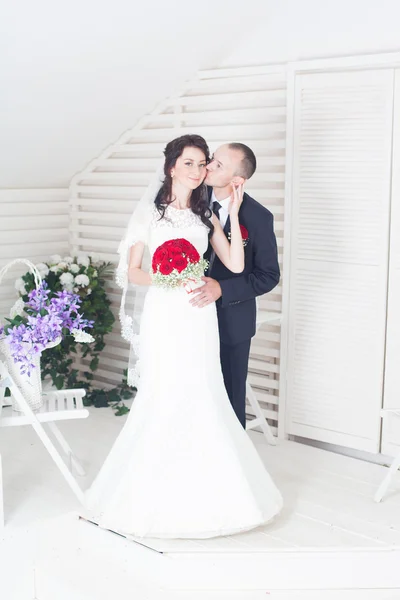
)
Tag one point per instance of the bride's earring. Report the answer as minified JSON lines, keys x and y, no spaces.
{"x":172,"y":174}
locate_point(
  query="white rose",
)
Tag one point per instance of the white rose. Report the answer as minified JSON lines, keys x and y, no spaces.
{"x":82,"y":336}
{"x":68,"y":259}
{"x":67,"y":281}
{"x":82,"y":280}
{"x":83,"y":260}
{"x":54,"y":269}
{"x":17,"y":309}
{"x":20,"y":286}
{"x":43,"y":269}
{"x":55,"y":258}
{"x":74,"y":268}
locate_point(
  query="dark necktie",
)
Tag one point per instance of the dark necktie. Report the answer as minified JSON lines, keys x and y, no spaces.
{"x":216,"y":208}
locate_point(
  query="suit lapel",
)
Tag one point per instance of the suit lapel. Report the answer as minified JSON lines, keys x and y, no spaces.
{"x":227,"y":226}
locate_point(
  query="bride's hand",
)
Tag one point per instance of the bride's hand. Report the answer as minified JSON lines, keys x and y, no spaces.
{"x":236,"y":198}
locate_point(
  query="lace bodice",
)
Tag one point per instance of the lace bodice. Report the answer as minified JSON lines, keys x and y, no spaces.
{"x":147,"y":227}
{"x":177,"y":224}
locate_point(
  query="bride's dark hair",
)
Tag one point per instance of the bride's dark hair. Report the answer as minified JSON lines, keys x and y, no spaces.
{"x":199,"y":198}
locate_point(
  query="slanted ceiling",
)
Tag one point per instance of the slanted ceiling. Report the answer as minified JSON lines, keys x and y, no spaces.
{"x":75,"y":75}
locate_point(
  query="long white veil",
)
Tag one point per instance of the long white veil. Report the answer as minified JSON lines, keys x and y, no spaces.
{"x":133,"y":295}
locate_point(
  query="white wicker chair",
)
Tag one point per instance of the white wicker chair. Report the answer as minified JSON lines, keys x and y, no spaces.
{"x":57,"y":406}
{"x":48,"y":407}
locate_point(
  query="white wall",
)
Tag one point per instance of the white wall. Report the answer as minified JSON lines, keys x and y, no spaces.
{"x":75,"y":75}
{"x":301,"y":29}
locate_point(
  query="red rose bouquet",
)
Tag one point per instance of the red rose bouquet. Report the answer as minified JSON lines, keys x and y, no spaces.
{"x":176,"y":263}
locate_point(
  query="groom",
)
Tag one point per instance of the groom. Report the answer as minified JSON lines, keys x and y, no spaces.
{"x":235,"y":294}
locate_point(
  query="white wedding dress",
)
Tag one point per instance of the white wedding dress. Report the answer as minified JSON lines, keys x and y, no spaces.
{"x":183,"y":466}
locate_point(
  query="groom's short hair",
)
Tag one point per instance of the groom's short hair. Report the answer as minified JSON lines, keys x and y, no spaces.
{"x":249,"y":163}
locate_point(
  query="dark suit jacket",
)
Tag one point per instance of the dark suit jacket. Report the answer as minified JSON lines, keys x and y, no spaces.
{"x":237,"y":306}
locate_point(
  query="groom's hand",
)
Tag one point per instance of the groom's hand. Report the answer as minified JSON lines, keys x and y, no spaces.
{"x":210,"y":292}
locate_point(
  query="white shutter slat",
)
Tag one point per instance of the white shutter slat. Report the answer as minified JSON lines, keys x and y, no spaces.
{"x":36,"y":195}
{"x":104,"y":204}
{"x":154,"y":149}
{"x":95,"y":244}
{"x":221,"y":117}
{"x":113,"y":190}
{"x":258,"y":350}
{"x":261,"y":366}
{"x":25,"y":236}
{"x":114,"y":232}
{"x":112,"y":218}
{"x":238,"y":99}
{"x":15,"y":209}
{"x":230,"y":72}
{"x":33,"y":250}
{"x":234,"y":82}
{"x":137,"y":165}
{"x":340,"y":214}
{"x":211,"y":133}
{"x":33,"y":225}
{"x":122,"y":178}
{"x":23,"y":223}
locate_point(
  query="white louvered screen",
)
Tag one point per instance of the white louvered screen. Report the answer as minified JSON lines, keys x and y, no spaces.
{"x":33,"y":224}
{"x":391,"y":424}
{"x":339,"y":255}
{"x":244,"y":105}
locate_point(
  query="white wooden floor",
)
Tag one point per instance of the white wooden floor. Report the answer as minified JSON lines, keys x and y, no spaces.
{"x":331,"y":541}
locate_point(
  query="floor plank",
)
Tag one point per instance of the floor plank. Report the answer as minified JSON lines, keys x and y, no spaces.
{"x":328,"y":506}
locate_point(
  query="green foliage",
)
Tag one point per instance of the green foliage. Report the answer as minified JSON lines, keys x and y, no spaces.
{"x":113,"y":397}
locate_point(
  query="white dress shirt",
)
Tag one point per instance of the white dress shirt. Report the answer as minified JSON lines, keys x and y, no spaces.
{"x":223,"y":211}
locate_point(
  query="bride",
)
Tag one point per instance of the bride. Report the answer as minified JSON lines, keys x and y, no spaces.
{"x":183,"y":466}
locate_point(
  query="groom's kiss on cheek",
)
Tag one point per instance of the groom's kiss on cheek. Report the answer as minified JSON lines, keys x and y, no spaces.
{"x":222,"y":169}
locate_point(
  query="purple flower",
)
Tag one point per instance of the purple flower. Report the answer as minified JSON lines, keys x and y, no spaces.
{"x":45,"y":323}
{"x":66,"y":301}
{"x":80,"y":323}
{"x":38,"y":298}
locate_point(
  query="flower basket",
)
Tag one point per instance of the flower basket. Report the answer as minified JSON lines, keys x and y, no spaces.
{"x":30,"y":386}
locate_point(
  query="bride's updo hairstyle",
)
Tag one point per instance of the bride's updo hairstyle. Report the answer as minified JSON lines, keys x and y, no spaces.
{"x":199,"y":202}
